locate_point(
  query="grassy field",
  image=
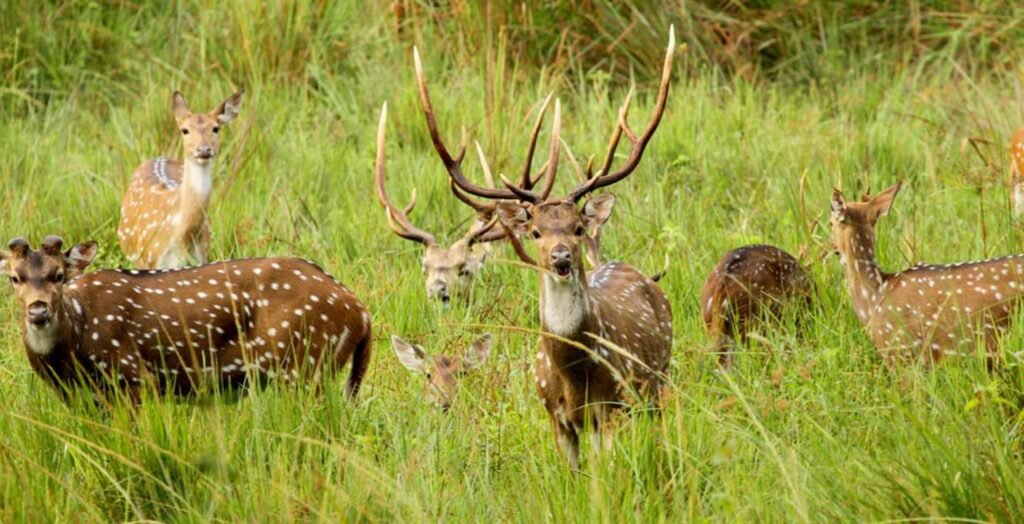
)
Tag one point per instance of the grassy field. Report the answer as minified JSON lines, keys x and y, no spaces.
{"x":811,"y":426}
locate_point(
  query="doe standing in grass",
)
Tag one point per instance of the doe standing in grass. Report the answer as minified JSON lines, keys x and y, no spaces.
{"x":164,"y":221}
{"x":228,"y":322}
{"x":927,"y":311}
{"x":609,"y":332}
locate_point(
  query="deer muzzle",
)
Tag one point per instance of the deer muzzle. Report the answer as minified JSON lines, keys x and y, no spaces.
{"x":38,"y":314}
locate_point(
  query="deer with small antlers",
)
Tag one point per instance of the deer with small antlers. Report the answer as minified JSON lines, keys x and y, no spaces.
{"x":607,"y":333}
{"x":927,"y":311}
{"x":442,"y":372}
{"x":747,"y":285}
{"x":229,"y":322}
{"x":1017,"y":172}
{"x":164,"y":214}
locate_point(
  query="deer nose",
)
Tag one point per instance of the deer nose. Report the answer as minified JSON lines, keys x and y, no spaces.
{"x":38,"y":313}
{"x":439,"y":290}
{"x":561,"y":260}
{"x":204,"y":152}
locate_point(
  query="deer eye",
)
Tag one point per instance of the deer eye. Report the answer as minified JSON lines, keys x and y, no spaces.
{"x":15,"y":280}
{"x":579,"y":230}
{"x":216,"y":129}
{"x":57,"y":278}
{"x":535,"y":233}
{"x":184,"y":131}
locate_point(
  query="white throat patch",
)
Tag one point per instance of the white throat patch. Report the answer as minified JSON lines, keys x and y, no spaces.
{"x":564,"y":307}
{"x":41,"y":341}
{"x":197,"y":177}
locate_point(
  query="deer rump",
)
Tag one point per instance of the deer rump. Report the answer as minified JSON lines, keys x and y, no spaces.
{"x":227,"y":323}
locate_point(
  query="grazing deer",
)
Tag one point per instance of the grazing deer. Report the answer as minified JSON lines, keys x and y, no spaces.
{"x":442,"y":372}
{"x":229,"y":321}
{"x":927,"y":311}
{"x":1017,"y":172}
{"x":746,"y":285}
{"x":608,"y":332}
{"x":164,"y":221}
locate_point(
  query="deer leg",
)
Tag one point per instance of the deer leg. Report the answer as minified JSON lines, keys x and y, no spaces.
{"x":726,"y":348}
{"x":569,"y":443}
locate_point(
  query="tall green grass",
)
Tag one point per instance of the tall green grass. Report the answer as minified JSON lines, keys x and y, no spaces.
{"x":811,"y":426}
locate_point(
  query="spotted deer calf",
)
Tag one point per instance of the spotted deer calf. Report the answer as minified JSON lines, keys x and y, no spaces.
{"x":927,"y":311}
{"x":1017,"y":172}
{"x":442,"y":372}
{"x":607,"y":333}
{"x":747,"y":285}
{"x":229,"y":321}
{"x":164,"y":220}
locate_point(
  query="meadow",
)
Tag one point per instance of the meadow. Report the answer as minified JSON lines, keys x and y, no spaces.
{"x":773,"y":104}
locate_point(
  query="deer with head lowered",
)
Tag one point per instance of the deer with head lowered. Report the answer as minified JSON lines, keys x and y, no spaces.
{"x":229,"y":322}
{"x":442,"y":372}
{"x":164,"y":221}
{"x":929,"y":311}
{"x":607,"y":333}
{"x":450,"y":270}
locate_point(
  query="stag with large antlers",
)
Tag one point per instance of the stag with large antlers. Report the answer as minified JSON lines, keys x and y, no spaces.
{"x":607,"y":333}
{"x":448,"y":270}
{"x":227,"y":322}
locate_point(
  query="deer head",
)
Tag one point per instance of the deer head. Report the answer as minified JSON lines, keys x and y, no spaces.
{"x":38,"y":278}
{"x":201,"y":131}
{"x":442,"y":372}
{"x":854,"y":222}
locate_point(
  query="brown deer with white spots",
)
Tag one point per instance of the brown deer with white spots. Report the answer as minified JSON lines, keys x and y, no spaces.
{"x":164,"y":222}
{"x":442,"y":372}
{"x":747,"y":285}
{"x":928,"y":311}
{"x":1017,"y":172}
{"x":609,"y":332}
{"x":230,"y":322}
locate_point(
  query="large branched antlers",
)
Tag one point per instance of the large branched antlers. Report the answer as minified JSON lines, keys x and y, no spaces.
{"x":592,"y":181}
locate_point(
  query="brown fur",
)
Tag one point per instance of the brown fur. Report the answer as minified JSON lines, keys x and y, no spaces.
{"x":1017,"y":172}
{"x":928,"y":311}
{"x":228,"y":321}
{"x":748,"y":284}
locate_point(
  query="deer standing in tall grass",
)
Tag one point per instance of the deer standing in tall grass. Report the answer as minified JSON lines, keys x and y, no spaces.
{"x":747,"y":285}
{"x":927,"y":311}
{"x":164,"y":214}
{"x":1017,"y":172}
{"x":609,"y":332}
{"x":228,"y":322}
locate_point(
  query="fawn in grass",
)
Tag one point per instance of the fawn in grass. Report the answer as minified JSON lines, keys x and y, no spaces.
{"x":926,"y":312}
{"x":747,"y":285}
{"x":229,"y":322}
{"x":442,"y":373}
{"x":608,"y":333}
{"x":164,"y":222}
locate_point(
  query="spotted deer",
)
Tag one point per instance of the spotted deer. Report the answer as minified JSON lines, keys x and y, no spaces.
{"x":1017,"y":172}
{"x":607,"y":334}
{"x":442,"y":372}
{"x":928,"y":311}
{"x":164,"y":221}
{"x":229,"y":322}
{"x":748,"y":285}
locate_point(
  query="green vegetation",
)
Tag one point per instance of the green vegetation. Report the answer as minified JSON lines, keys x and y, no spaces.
{"x":809,"y":427}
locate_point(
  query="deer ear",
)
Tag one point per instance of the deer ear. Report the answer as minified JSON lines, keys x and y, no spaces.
{"x":229,"y":109}
{"x":597,"y":210}
{"x":881,"y":204}
{"x":409,"y":355}
{"x":477,"y":353}
{"x":838,"y":204}
{"x":180,"y":107}
{"x":79,"y":257}
{"x":513,"y":216}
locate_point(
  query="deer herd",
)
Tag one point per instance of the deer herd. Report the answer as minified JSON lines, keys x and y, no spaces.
{"x":177,"y":321}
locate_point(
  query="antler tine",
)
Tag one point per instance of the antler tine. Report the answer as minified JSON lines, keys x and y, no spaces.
{"x":398,"y":220}
{"x":451,"y":164}
{"x":639,"y":143}
{"x":484,"y":233}
{"x":525,"y":181}
{"x":613,"y":142}
{"x":552,"y":163}
{"x":580,"y":177}
{"x":465,"y":199}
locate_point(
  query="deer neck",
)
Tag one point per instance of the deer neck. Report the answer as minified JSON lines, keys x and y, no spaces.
{"x":864,"y":277}
{"x":196,"y":182}
{"x":565,"y":311}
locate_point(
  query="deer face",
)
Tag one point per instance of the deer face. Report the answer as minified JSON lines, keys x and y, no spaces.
{"x":441,"y":371}
{"x":38,"y":278}
{"x":559,"y":229}
{"x":201,"y":131}
{"x":449,"y":271}
{"x":854,"y":222}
